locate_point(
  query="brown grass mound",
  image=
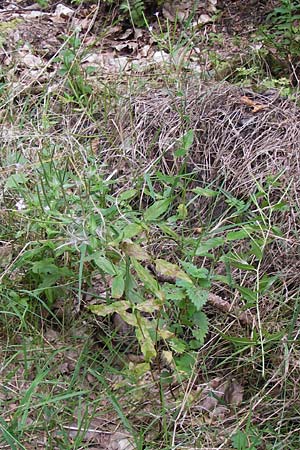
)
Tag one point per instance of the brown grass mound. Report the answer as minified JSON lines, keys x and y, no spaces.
{"x":240,"y":139}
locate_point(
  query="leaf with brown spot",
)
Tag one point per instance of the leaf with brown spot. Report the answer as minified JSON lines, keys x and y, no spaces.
{"x":132,"y":249}
{"x":171,"y":270}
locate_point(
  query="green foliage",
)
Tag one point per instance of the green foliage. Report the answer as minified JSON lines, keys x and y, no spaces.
{"x":246,"y":440}
{"x":281,"y":36}
{"x":285,"y":29}
{"x":86,"y":229}
{"x":135,"y":10}
{"x":78,"y":89}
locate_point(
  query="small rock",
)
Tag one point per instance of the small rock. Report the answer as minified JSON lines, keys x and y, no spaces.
{"x":62,"y":10}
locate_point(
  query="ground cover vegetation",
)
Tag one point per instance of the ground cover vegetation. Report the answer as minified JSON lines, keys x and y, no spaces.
{"x":149,"y":228}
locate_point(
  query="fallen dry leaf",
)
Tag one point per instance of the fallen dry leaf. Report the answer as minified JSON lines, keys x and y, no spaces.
{"x":219,"y":413}
{"x":252,"y":104}
{"x":32,"y":61}
{"x":5,"y":254}
{"x":208,"y":404}
{"x":233,"y":394}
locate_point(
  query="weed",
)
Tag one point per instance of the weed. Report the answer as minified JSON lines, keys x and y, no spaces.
{"x":282,"y":37}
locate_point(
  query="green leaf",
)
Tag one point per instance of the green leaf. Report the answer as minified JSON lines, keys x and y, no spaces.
{"x":201,"y":331}
{"x":266,"y":282}
{"x":171,"y":270}
{"x":182,"y":211}
{"x":118,"y":286}
{"x":248,"y":294}
{"x":186,"y":143}
{"x":131,"y":230}
{"x":15,"y":180}
{"x":185,"y":363}
{"x":237,"y":235}
{"x":157,"y":209}
{"x":240,"y":440}
{"x":147,"y":279}
{"x":144,"y":338}
{"x":194,"y":271}
{"x":44,"y":267}
{"x":239,"y":341}
{"x":257,"y":250}
{"x":127,"y":195}
{"x":197,"y":296}
{"x":104,"y":264}
{"x":208,"y":245}
{"x":237,"y":261}
{"x":168,"y":231}
{"x":173,"y":292}
{"x":205,"y":192}
{"x":177,"y":345}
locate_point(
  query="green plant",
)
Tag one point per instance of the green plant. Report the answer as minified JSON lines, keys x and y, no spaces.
{"x":70,"y":57}
{"x":135,"y":9}
{"x":246,"y":440}
{"x":285,"y":27}
{"x":281,"y":35}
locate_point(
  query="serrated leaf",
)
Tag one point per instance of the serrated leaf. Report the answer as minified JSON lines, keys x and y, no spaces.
{"x":157,"y":209}
{"x":118,"y":286}
{"x":194,"y":271}
{"x":201,"y":331}
{"x":186,"y":362}
{"x":134,"y":250}
{"x":197,"y":296}
{"x":171,"y":270}
{"x":174,"y":292}
{"x":178,"y":345}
